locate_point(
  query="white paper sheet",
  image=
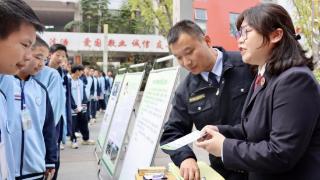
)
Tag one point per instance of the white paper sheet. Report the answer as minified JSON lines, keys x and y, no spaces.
{"x":189,"y":138}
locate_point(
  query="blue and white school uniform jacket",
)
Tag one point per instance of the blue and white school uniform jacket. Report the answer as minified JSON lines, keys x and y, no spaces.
{"x":35,"y":146}
{"x":67,"y":87}
{"x":88,"y":86}
{"x":6,"y":156}
{"x":77,"y":93}
{"x":110,"y":79}
{"x":102,"y":85}
{"x":94,"y":90}
{"x":4,"y":171}
{"x":5,"y":141}
{"x":52,"y":80}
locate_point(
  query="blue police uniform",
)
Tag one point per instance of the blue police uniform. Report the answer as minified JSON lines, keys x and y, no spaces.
{"x":200,"y":102}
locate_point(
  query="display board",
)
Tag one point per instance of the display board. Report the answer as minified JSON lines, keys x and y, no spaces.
{"x":120,"y":120}
{"x":149,"y":121}
{"x":113,"y":98}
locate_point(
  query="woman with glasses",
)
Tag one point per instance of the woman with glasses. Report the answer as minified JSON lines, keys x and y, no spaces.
{"x":279,"y":134}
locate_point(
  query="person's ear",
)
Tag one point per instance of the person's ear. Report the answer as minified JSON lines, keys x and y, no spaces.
{"x":207,"y":39}
{"x":276,"y":35}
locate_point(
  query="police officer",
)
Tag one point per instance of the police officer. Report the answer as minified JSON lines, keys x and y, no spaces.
{"x":212,"y":93}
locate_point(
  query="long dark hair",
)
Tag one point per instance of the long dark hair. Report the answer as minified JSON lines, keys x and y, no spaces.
{"x":266,"y":18}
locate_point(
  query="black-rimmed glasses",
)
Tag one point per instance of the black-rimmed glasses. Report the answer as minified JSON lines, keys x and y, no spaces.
{"x":243,"y":32}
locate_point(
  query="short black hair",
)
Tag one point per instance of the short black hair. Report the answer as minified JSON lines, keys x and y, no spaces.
{"x":40,"y":42}
{"x":184,"y":26}
{"x":15,"y":12}
{"x":76,"y":68}
{"x":57,"y":47}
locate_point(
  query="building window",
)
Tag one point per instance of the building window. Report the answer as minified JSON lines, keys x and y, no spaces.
{"x":233,"y":19}
{"x":200,"y":16}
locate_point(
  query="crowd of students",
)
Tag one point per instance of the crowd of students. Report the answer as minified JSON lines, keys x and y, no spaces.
{"x":43,"y":98}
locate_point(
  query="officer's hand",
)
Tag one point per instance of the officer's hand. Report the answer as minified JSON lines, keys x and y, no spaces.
{"x":212,"y":142}
{"x":189,"y":169}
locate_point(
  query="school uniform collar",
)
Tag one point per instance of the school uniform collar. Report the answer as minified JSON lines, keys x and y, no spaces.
{"x":217,"y":68}
{"x":17,"y":77}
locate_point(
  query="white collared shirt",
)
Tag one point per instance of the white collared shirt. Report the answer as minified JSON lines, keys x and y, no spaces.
{"x":217,"y":68}
{"x":262,"y":69}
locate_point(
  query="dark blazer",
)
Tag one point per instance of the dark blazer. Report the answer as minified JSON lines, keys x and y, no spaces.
{"x":198,"y":103}
{"x":279,"y":136}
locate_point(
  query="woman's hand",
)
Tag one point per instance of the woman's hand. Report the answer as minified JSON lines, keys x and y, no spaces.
{"x":212,"y":141}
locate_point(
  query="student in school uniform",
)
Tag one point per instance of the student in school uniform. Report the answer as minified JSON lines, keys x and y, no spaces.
{"x":102,"y":82}
{"x":109,"y":78}
{"x":50,"y":77}
{"x":88,"y":86}
{"x":64,"y":71}
{"x":106,"y":87}
{"x":94,"y":94}
{"x":79,"y":108}
{"x":18,"y":29}
{"x":34,"y":128}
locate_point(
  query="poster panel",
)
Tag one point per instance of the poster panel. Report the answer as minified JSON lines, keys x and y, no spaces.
{"x":120,"y":120}
{"x":149,"y":121}
{"x":113,"y":98}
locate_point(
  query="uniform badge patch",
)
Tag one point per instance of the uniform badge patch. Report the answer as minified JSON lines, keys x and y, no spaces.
{"x":196,"y":98}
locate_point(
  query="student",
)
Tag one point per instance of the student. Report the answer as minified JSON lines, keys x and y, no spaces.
{"x":103,"y":85}
{"x":17,"y":34}
{"x":105,"y":88}
{"x":67,"y":128}
{"x":53,"y":81}
{"x":213,"y":93}
{"x":87,"y":79}
{"x":34,"y":134}
{"x":79,"y":108}
{"x":279,"y":134}
{"x":94,"y":94}
{"x":109,"y":78}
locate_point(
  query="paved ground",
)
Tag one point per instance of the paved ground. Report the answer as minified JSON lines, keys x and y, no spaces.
{"x":81,"y":164}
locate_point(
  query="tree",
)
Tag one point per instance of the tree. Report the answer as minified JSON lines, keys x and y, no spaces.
{"x":95,"y":13}
{"x":156,"y":13}
{"x":308,"y":20}
{"x":128,"y":22}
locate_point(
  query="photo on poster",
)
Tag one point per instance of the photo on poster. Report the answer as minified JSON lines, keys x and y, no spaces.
{"x":115,"y":89}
